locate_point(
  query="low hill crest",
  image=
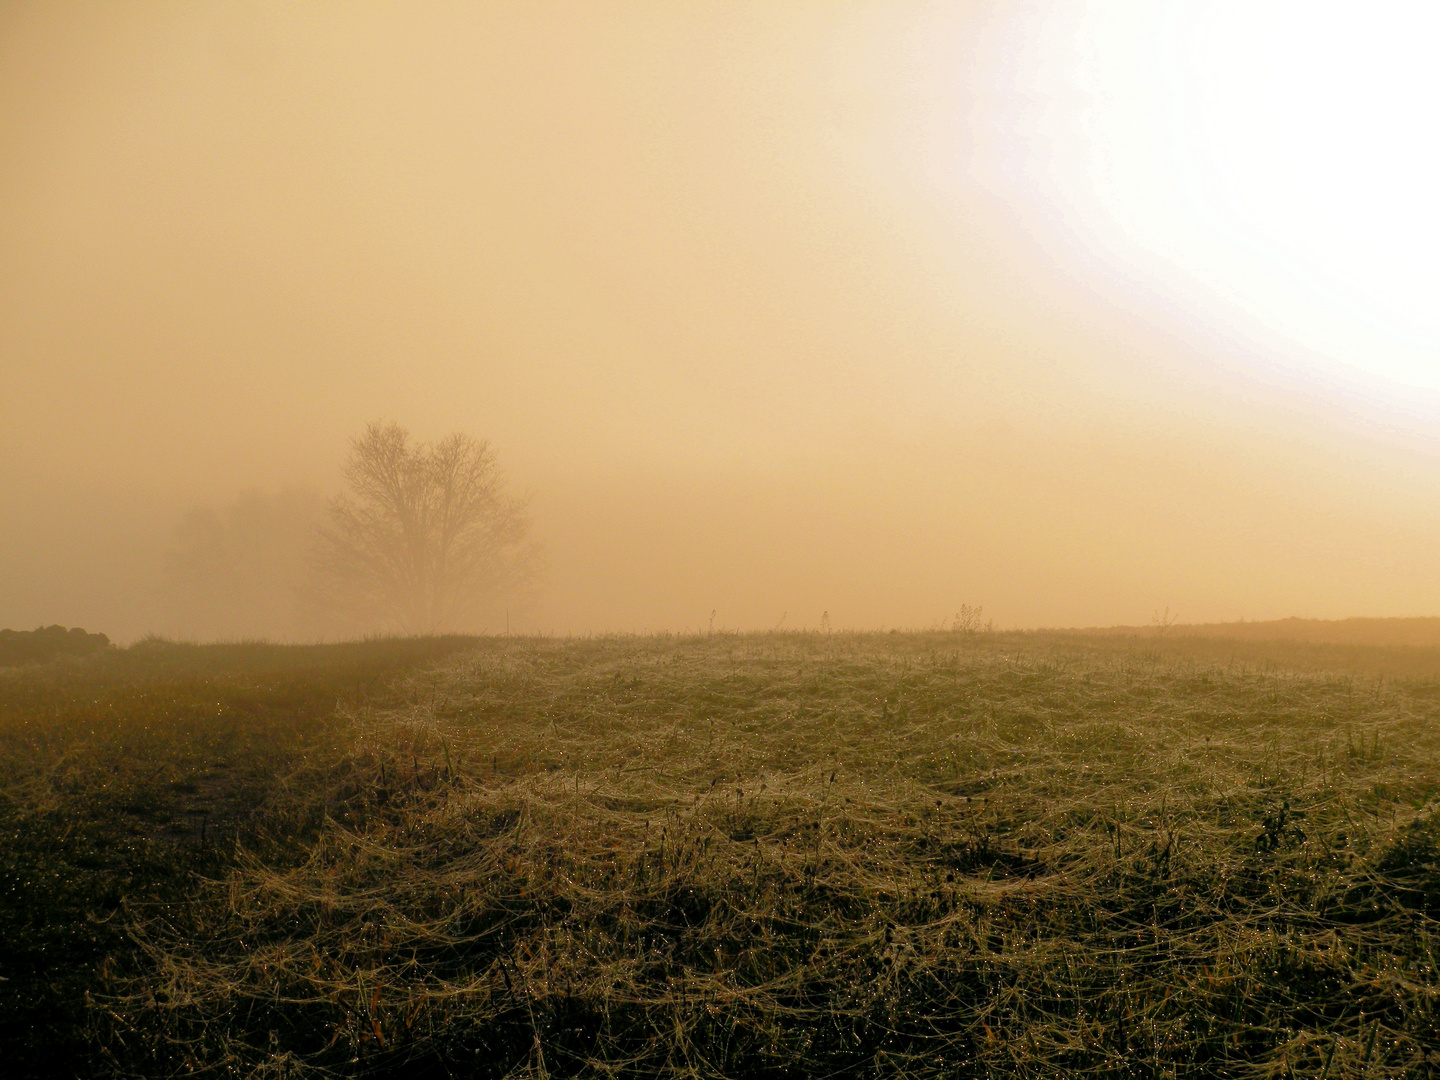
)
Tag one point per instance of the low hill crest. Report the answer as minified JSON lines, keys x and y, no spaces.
{"x":1417,"y":631}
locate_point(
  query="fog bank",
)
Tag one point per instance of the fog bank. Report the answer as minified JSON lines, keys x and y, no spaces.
{"x":758,"y":302}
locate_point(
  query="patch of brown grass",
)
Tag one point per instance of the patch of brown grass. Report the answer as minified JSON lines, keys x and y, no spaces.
{"x":845,"y":855}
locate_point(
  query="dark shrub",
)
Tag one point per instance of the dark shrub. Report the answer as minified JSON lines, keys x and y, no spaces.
{"x":46,"y":643}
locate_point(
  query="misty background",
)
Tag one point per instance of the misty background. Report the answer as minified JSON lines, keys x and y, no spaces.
{"x":772,"y":309}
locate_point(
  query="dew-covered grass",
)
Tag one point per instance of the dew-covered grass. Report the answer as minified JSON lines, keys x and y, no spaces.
{"x":804,"y":855}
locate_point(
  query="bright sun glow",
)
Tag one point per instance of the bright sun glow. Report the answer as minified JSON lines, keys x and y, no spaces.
{"x":1273,"y":161}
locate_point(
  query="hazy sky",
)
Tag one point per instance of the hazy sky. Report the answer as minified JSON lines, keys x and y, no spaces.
{"x":1072,"y":310}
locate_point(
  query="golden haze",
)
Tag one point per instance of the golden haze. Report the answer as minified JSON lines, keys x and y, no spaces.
{"x":771,"y":306}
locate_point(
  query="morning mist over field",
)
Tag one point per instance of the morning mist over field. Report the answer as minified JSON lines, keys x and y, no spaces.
{"x":776,"y":310}
{"x":707,"y":539}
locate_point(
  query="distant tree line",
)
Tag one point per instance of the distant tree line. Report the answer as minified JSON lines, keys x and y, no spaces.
{"x":45,"y":643}
{"x":235,"y":572}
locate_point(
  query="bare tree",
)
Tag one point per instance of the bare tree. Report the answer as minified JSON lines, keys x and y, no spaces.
{"x":425,"y":536}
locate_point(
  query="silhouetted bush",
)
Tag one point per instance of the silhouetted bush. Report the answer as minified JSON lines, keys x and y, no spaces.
{"x":45,"y":643}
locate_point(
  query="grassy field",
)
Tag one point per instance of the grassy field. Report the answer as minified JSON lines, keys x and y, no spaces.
{"x":780,"y":855}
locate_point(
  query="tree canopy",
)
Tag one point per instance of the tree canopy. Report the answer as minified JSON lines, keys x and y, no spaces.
{"x":425,"y":536}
